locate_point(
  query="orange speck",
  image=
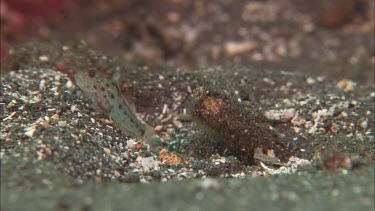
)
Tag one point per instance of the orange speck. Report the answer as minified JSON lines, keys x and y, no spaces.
{"x":170,"y":158}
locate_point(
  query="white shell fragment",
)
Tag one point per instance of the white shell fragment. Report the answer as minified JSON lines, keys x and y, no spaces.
{"x":30,"y":131}
{"x":283,"y":115}
{"x":149,"y":163}
{"x":290,"y":167}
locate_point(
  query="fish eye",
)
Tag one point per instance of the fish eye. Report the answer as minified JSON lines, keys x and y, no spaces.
{"x":91,"y":74}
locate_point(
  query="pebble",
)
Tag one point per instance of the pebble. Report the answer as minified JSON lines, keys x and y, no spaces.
{"x":106,"y":150}
{"x":30,"y":131}
{"x":56,"y":117}
{"x":310,"y":80}
{"x":346,"y":85}
{"x":364,"y":124}
{"x":43,"y":58}
{"x":62,"y":123}
{"x":233,"y":48}
{"x":283,"y":115}
{"x":131,"y":144}
{"x":158,"y":128}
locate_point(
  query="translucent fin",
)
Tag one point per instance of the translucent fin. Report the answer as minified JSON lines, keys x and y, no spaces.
{"x":116,"y":75}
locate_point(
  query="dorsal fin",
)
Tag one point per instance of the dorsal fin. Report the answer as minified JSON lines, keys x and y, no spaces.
{"x":116,"y":76}
{"x":115,"y":79}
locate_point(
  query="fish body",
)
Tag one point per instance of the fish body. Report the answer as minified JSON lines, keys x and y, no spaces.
{"x":106,"y":96}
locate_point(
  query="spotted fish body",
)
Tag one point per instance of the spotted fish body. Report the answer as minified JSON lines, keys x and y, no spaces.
{"x":106,"y":96}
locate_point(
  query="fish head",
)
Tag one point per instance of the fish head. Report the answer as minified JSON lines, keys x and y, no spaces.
{"x":100,"y":90}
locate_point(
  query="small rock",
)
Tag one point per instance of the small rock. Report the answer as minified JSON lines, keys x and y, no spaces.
{"x":131,"y":144}
{"x":149,"y":163}
{"x":56,"y":117}
{"x":233,"y":48}
{"x":158,"y":128}
{"x":30,"y":131}
{"x":62,"y":123}
{"x":283,"y":115}
{"x":310,"y":80}
{"x":43,"y":58}
{"x":106,"y":150}
{"x":346,"y":85}
{"x":364,"y":124}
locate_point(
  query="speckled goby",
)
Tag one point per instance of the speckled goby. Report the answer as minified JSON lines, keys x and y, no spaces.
{"x":106,"y":96}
